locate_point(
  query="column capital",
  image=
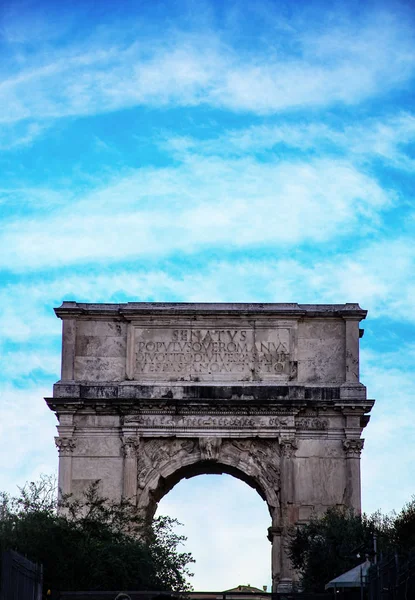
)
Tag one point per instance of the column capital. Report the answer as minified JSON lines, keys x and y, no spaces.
{"x":129,"y":446}
{"x":288,"y":446}
{"x":65,"y":445}
{"x":353,"y":447}
{"x":275,"y":530}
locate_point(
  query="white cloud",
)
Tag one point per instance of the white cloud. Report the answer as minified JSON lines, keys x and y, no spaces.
{"x":200,"y":204}
{"x":379,"y":276}
{"x":365,"y":141}
{"x":24,"y":364}
{"x":183,"y":69}
{"x":387,"y":463}
{"x":27,"y":430}
{"x":17,"y":135}
{"x":24,"y":200}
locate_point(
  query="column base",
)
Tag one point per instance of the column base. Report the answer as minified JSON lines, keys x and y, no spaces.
{"x":285,"y":586}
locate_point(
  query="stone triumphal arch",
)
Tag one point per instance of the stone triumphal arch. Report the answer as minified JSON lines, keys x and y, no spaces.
{"x":270,"y":393}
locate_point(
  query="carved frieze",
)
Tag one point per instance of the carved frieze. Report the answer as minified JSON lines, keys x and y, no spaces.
{"x":312,"y":423}
{"x":163,"y":421}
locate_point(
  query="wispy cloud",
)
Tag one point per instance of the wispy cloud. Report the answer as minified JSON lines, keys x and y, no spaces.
{"x":22,"y":364}
{"x":389,"y":377}
{"x":20,"y":134}
{"x":202,"y":203}
{"x":341,"y":63}
{"x":387,"y":139}
{"x":378,"y":276}
{"x":24,"y":452}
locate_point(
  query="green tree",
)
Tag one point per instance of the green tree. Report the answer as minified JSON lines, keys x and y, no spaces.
{"x":92,"y":543}
{"x":404,"y":529}
{"x":334,"y":543}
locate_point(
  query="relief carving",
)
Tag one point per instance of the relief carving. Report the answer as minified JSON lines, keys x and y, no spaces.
{"x":188,"y":446}
{"x":145,"y":463}
{"x":244,"y":446}
{"x":264,"y":456}
{"x":209,"y":448}
{"x":312,"y":423}
{"x":272,"y":475}
{"x":212,"y":422}
{"x":156,"y":452}
{"x":258,"y":458}
{"x":277,"y":422}
{"x":268,"y":456}
{"x":293,"y":370}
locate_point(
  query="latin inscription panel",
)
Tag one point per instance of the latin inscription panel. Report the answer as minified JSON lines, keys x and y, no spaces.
{"x":202,"y":354}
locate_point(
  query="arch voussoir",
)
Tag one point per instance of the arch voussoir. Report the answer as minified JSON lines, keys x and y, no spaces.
{"x":254,"y":461}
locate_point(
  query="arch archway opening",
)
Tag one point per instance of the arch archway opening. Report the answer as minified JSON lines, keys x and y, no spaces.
{"x":225,"y":523}
{"x":205,"y":467}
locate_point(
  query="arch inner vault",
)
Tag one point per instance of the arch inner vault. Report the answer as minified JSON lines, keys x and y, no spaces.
{"x":270,"y":393}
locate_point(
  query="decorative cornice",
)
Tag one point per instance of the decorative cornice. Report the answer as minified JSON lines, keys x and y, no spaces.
{"x":65,"y":445}
{"x":129,"y":395}
{"x":131,"y":310}
{"x":353,"y":448}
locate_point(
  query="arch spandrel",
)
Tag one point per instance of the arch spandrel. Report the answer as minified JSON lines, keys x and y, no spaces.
{"x":163,"y":462}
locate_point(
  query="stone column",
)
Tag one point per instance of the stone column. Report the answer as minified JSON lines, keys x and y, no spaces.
{"x":65,"y":447}
{"x":353,"y":449}
{"x":130,"y":447}
{"x":275,"y":536}
{"x":288,"y":447}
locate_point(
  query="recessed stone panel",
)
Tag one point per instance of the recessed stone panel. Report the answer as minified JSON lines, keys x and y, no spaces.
{"x":97,"y":368}
{"x":102,"y":328}
{"x":95,"y":345}
{"x":185,"y":353}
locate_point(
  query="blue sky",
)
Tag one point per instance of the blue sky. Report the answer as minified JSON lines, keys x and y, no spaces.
{"x":208,"y":151}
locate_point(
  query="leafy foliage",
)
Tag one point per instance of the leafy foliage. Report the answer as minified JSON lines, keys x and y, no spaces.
{"x":338,"y":541}
{"x":404,"y":529}
{"x":92,"y":543}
